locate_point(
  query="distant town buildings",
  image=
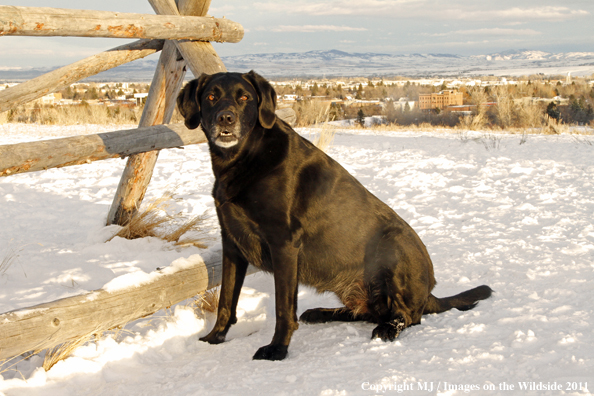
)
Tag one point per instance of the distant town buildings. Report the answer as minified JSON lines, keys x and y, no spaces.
{"x":440,"y":100}
{"x":50,"y":99}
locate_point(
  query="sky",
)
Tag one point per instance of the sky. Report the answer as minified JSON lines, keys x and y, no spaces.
{"x":462,"y":27}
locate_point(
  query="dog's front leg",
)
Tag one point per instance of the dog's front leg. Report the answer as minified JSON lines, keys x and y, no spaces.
{"x":234,"y":269}
{"x":284,"y":261}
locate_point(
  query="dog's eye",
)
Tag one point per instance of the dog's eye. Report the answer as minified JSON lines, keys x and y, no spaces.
{"x":210,"y":97}
{"x":243,"y":98}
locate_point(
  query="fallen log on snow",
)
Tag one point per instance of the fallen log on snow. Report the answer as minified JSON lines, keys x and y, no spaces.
{"x":53,"y":323}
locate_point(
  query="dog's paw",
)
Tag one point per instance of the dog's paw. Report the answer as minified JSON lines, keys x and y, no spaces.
{"x":315,"y":315}
{"x":213,"y":338}
{"x":389,"y":331}
{"x":271,"y":352}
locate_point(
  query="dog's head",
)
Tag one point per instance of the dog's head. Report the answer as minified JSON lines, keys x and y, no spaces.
{"x":228,"y":105}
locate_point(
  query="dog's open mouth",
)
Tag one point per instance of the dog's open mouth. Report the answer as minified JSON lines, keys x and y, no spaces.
{"x":226,"y":139}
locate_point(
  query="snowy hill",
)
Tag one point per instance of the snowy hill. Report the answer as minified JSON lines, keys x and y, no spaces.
{"x":338,"y":64}
{"x":334,"y":63}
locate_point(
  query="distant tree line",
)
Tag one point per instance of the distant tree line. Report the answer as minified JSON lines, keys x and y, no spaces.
{"x":98,"y":92}
{"x":496,"y":106}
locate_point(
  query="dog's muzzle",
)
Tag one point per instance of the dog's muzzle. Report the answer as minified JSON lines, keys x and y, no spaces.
{"x":227,"y":129}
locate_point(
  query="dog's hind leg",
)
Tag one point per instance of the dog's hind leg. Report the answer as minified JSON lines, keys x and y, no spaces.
{"x":352,"y":293}
{"x":323,"y":315}
{"x":388,"y":307}
{"x":389,"y":330}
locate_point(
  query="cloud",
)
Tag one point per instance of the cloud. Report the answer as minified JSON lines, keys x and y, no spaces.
{"x":535,"y":13}
{"x":337,"y":7}
{"x":487,"y":32}
{"x":451,"y":10}
{"x":222,"y":10}
{"x":311,"y":28}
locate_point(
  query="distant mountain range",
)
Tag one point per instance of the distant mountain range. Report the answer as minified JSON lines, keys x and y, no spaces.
{"x":334,"y":63}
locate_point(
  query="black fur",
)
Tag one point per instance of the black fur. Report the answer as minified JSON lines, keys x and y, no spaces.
{"x":287,"y":208}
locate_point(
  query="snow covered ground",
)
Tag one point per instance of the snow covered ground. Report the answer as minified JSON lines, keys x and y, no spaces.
{"x":516,"y":214}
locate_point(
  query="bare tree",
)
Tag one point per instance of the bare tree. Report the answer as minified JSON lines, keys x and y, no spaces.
{"x":505,"y":106}
{"x":478,"y":118}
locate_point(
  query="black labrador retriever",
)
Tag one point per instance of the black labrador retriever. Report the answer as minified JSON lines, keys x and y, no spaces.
{"x":288,"y":208}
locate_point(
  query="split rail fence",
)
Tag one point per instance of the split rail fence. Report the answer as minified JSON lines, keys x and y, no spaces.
{"x":182,"y":32}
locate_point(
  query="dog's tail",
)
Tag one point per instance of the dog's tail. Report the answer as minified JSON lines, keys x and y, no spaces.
{"x":463,"y":301}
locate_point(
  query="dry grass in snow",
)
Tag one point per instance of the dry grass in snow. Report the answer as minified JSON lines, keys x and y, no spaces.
{"x":153,"y":220}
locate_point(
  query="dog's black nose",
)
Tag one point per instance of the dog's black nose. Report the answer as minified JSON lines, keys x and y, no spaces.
{"x":226,"y":117}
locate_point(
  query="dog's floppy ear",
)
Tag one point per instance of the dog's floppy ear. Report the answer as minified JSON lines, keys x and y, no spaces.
{"x":266,"y":99}
{"x":188,"y":104}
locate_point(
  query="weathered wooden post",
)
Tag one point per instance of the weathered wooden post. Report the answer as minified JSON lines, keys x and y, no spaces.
{"x":157,"y":110}
{"x":160,"y":105}
{"x":199,"y":55}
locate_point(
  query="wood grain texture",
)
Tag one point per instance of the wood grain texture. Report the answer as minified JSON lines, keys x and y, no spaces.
{"x":84,"y":149}
{"x":53,"y":323}
{"x":50,"y":324}
{"x":45,"y":21}
{"x":200,"y":56}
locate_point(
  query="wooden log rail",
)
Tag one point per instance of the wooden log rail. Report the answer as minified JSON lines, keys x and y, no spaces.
{"x":50,"y":324}
{"x":45,"y":21}
{"x":76,"y":150}
{"x":84,"y":149}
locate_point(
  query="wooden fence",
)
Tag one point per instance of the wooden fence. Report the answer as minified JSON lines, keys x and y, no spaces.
{"x":182,"y":32}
